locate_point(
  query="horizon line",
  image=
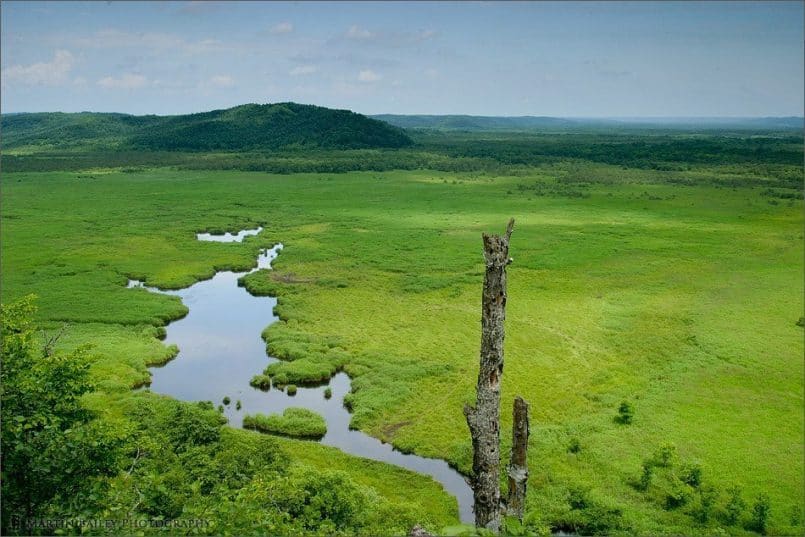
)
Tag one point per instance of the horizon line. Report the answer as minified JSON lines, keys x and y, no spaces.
{"x":518,"y":116}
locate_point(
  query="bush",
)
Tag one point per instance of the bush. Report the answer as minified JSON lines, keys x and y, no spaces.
{"x":691,"y":474}
{"x":707,"y":499}
{"x":646,"y":475}
{"x":328,"y":392}
{"x":735,"y":506}
{"x":625,"y":413}
{"x":590,"y":516}
{"x":760,"y":514}
{"x":227,"y":400}
{"x":297,"y":422}
{"x":678,"y":495}
{"x":574,"y":446}
{"x":665,"y":456}
{"x":262,"y":382}
{"x":291,"y":389}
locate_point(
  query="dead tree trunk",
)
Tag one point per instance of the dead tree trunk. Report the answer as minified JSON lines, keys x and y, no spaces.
{"x":483,"y":419}
{"x":518,"y":469}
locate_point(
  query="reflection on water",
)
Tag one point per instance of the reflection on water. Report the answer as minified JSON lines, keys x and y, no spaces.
{"x":228,"y":237}
{"x":220,"y":349}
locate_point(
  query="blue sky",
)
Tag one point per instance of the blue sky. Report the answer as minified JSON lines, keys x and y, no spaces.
{"x":571,"y":59}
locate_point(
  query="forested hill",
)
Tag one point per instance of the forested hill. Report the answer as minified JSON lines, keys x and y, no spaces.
{"x":250,"y":126}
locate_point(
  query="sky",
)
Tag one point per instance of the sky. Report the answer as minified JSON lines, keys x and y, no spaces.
{"x":564,"y":59}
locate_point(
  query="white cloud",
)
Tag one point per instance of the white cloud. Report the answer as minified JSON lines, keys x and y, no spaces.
{"x":367,"y":75}
{"x":51,"y":73}
{"x":282,"y":28}
{"x":303,"y":70}
{"x":159,"y":42}
{"x":356,"y":32}
{"x":222,"y":81}
{"x":125,"y":81}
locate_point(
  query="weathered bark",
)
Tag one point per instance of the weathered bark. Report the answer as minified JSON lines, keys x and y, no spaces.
{"x":419,"y":531}
{"x":518,"y":468}
{"x":483,"y":419}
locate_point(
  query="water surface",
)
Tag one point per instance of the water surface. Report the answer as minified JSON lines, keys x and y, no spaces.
{"x":221,"y":349}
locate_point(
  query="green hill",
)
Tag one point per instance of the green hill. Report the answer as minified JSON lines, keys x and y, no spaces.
{"x":246,"y":127}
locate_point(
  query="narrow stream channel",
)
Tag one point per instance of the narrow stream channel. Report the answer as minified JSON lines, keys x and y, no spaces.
{"x":221,"y":349}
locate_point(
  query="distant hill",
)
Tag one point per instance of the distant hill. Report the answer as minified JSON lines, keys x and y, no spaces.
{"x":474,"y":122}
{"x":544,"y":123}
{"x":250,"y":126}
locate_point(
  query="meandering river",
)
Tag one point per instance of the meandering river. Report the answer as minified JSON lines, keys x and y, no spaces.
{"x":221,"y":349}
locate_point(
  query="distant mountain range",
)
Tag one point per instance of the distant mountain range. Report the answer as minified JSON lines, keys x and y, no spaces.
{"x":531,"y":123}
{"x":246,"y":127}
{"x":289,"y":125}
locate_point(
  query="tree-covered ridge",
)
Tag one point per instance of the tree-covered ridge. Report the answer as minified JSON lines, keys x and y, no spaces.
{"x":246,"y":127}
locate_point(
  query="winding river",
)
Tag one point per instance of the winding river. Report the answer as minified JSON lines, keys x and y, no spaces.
{"x":221,"y":348}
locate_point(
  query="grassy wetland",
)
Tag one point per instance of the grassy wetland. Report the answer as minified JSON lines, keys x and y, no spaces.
{"x":667,"y":279}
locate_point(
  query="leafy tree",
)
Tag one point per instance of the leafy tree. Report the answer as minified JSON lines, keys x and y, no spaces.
{"x":53,"y":450}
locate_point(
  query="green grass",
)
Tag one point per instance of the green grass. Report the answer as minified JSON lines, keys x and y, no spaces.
{"x":296,"y":422}
{"x":678,"y":291}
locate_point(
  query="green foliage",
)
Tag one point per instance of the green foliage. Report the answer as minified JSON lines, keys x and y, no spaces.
{"x":328,"y":392}
{"x":645,"y":287}
{"x":590,"y":515}
{"x":735,"y":507}
{"x":760,"y":514}
{"x":625,"y":413}
{"x":245,"y":127}
{"x":665,"y":456}
{"x":691,"y":474}
{"x":262,"y":382}
{"x":53,"y":448}
{"x":706,"y":500}
{"x":646,"y":474}
{"x":678,"y":494}
{"x":291,"y":389}
{"x":296,"y":422}
{"x":227,"y":400}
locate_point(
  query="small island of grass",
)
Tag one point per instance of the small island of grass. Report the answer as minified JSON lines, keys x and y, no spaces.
{"x":296,"y":422}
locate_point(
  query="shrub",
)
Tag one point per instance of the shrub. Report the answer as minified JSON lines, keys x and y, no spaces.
{"x":707,"y":498}
{"x":227,"y":400}
{"x":691,"y":474}
{"x":298,"y":422}
{"x":735,"y":506}
{"x":238,"y":405}
{"x":328,"y":392}
{"x":665,"y":455}
{"x":262,"y":382}
{"x":291,"y":389}
{"x":678,"y":495}
{"x":625,"y":413}
{"x":574,"y":446}
{"x":590,"y":516}
{"x":760,"y":514}
{"x":646,"y":475}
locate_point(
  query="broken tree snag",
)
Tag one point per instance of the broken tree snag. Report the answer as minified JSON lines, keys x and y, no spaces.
{"x":483,"y":419}
{"x":518,"y":468}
